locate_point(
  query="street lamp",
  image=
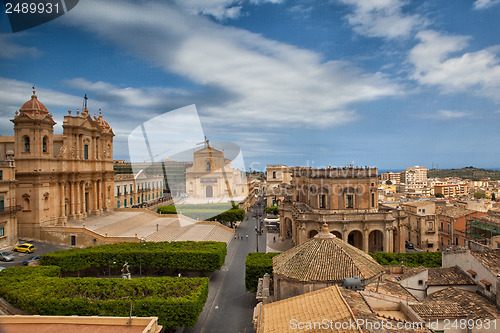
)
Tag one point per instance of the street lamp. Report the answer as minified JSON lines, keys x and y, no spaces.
{"x":142,"y":241}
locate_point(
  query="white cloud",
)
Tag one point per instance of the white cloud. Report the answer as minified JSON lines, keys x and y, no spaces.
{"x":447,"y":115}
{"x":435,"y":65}
{"x":261,"y":81}
{"x":483,"y":4}
{"x":10,"y":50}
{"x":14,"y":93}
{"x":382,"y":18}
{"x":220,"y":9}
{"x":129,"y":96}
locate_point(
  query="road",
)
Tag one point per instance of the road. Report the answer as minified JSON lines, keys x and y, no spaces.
{"x":229,"y":308}
{"x":40,"y":249}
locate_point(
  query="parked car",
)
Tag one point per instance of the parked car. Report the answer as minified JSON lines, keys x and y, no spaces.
{"x":409,"y":246}
{"x":6,"y":256}
{"x":27,"y":261}
{"x":25,"y":248}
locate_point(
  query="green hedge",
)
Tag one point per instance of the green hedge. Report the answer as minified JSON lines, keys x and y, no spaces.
{"x":201,"y":256}
{"x":177,"y":302}
{"x":222,"y":212}
{"x":256,"y":265}
{"x":272,"y":210}
{"x":426,"y":259}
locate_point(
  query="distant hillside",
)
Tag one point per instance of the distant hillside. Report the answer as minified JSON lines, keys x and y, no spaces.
{"x":465,"y":173}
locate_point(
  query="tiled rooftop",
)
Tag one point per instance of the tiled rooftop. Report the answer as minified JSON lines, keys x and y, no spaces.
{"x":443,"y":276}
{"x":412,"y":272}
{"x":390,"y":287}
{"x":438,"y":309}
{"x":312,"y":307}
{"x":454,"y":212}
{"x":490,"y":259}
{"x":474,"y":304}
{"x":325,"y":259}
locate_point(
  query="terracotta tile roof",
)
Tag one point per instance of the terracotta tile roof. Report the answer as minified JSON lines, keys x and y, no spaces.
{"x":454,"y":212}
{"x":363,"y":312}
{"x":438,"y":309}
{"x":474,"y":304}
{"x":418,"y":203}
{"x":443,"y":276}
{"x":412,"y":272}
{"x":311,"y":307}
{"x":490,"y":259}
{"x":325,"y":259}
{"x":390,"y":287}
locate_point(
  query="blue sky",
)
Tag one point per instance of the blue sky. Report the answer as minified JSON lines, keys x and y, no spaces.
{"x":386,"y":83}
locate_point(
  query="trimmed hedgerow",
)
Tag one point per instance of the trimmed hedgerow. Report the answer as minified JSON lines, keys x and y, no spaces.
{"x":426,"y":259}
{"x":200,"y":256}
{"x":272,"y":210}
{"x":177,"y":302}
{"x":256,"y":265}
{"x":224,"y":212}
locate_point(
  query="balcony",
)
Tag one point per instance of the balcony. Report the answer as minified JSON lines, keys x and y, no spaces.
{"x":9,"y":209}
{"x":430,"y":231}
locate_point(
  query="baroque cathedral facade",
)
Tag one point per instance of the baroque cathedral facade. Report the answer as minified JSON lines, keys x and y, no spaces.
{"x":57,"y":177}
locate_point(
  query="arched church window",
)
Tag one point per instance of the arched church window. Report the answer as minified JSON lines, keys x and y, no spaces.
{"x":209,"y":166}
{"x":26,"y":144}
{"x":86,"y":152}
{"x":274,"y":174}
{"x":44,"y":144}
{"x":26,"y":203}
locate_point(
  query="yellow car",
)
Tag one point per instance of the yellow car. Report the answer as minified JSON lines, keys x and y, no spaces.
{"x":26,"y":248}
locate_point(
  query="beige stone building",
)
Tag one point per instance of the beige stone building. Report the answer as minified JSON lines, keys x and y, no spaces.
{"x":8,"y":206}
{"x":320,"y":262}
{"x":58,"y":177}
{"x":421,"y":224}
{"x":212,"y":176}
{"x":344,"y":198}
{"x":277,"y":175}
{"x":415,"y":174}
{"x":131,"y":190}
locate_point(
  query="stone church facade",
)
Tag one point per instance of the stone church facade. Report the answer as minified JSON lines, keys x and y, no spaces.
{"x":212,"y":176}
{"x":59,"y":177}
{"x":346,"y":199}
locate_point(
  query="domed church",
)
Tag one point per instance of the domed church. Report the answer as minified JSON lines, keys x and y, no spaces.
{"x":57,"y":176}
{"x":320,"y":262}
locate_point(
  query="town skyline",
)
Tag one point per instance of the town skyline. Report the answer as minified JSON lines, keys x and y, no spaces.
{"x":389,"y":85}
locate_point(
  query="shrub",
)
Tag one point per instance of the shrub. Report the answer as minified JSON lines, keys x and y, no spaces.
{"x":201,"y":256}
{"x":426,"y":259}
{"x":256,"y":265}
{"x":272,"y":210}
{"x":177,"y":302}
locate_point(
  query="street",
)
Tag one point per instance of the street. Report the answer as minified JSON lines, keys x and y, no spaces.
{"x":40,"y":249}
{"x":229,"y":308}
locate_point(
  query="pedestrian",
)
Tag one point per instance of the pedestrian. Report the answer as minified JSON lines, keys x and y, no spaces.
{"x":274,"y":239}
{"x":235,"y":236}
{"x":179,"y":275}
{"x":246,"y":236}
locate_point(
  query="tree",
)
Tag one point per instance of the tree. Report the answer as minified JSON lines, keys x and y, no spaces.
{"x":479,"y":195}
{"x":439,"y":195}
{"x":388,"y":182}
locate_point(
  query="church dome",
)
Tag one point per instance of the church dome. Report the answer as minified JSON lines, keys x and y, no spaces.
{"x":325,"y":258}
{"x":33,"y":106}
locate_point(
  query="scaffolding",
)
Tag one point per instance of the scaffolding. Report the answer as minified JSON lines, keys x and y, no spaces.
{"x":481,"y":229}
